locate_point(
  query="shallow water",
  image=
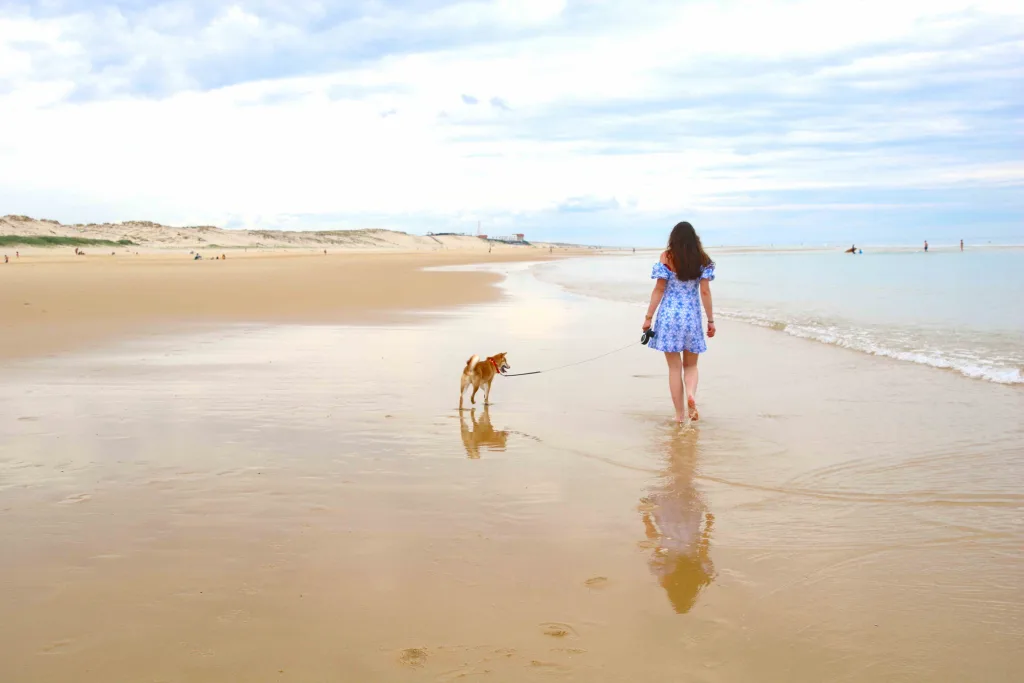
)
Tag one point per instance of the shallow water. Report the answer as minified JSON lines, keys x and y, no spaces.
{"x":305,"y":503}
{"x":953,"y":310}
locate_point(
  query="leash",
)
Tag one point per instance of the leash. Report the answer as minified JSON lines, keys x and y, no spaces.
{"x":569,"y":365}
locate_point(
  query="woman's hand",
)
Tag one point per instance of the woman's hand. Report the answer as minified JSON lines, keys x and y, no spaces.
{"x":647,"y":324}
{"x":711,"y":329}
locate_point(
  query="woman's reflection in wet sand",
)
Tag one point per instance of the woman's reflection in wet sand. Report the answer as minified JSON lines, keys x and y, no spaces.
{"x":678,"y":526}
{"x":481,"y":435}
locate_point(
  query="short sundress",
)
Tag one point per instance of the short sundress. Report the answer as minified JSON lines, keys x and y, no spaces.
{"x":678,"y":325}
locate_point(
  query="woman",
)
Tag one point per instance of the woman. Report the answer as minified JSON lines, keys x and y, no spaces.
{"x":683,"y":275}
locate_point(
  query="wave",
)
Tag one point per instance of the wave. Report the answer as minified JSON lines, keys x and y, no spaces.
{"x":980,"y":356}
{"x":903,"y":346}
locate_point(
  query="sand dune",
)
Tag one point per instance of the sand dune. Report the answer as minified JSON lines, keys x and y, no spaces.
{"x":153,"y":235}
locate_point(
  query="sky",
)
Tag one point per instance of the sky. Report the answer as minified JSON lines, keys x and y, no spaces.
{"x":597,"y":121}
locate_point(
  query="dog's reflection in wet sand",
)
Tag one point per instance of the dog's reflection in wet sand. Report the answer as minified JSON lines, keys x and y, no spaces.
{"x":482,"y":434}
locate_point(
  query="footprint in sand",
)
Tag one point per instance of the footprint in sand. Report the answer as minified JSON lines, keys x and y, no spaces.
{"x":596,"y":582}
{"x":77,"y":498}
{"x":60,"y":647}
{"x":557,"y":629}
{"x":461,"y":673}
{"x":551,"y":667}
{"x":234,"y":616}
{"x":414,"y":657}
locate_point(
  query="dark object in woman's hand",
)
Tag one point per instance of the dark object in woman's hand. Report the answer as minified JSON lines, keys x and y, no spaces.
{"x":646,"y":336}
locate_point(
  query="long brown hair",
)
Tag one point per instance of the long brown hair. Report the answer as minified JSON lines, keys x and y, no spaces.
{"x":686,"y":257}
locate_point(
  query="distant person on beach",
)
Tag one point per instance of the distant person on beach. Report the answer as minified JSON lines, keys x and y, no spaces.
{"x":961,"y":245}
{"x":926,"y":245}
{"x":852,"y":249}
{"x":6,"y":260}
{"x":683,"y":277}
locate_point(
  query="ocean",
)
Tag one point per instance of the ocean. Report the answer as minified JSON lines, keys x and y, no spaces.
{"x":946,"y":309}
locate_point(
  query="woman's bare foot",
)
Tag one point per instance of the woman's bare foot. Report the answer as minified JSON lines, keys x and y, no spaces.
{"x":692,"y":405}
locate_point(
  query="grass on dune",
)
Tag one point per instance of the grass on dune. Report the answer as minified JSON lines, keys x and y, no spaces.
{"x":55,"y":241}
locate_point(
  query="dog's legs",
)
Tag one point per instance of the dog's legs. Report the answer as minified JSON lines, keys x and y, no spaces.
{"x":487,"y":395}
{"x":476,"y":388}
{"x":462,"y":388}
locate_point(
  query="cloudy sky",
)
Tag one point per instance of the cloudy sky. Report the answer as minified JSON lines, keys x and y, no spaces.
{"x":591,"y":120}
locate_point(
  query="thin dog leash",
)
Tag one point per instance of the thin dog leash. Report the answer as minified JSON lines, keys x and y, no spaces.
{"x":569,"y":365}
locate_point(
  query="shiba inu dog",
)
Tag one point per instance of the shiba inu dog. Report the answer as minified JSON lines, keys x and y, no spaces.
{"x":481,"y":374}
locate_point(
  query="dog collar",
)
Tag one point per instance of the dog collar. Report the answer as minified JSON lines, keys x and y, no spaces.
{"x":496,"y":368}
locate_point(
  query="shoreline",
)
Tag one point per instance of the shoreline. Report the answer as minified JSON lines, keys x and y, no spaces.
{"x":63,"y":303}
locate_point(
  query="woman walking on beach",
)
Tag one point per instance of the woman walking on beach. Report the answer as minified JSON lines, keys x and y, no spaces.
{"x":683,"y":281}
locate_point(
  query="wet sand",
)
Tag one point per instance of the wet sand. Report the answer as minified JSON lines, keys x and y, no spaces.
{"x":292,"y":503}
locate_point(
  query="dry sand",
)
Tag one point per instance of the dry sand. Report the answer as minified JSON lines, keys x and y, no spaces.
{"x":288,"y":502}
{"x":51,"y":302}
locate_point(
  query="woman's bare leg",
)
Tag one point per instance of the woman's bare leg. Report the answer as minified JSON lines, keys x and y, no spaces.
{"x":675,"y":382}
{"x":690,"y":380}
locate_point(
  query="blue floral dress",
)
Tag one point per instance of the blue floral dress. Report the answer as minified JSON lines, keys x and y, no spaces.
{"x":678,"y":325}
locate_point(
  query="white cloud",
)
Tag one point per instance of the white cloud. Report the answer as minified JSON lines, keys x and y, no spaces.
{"x":700,"y":100}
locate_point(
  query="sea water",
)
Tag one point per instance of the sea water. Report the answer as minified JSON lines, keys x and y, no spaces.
{"x":962,"y":311}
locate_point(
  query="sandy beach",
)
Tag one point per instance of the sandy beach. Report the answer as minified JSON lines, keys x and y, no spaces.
{"x":255,"y":470}
{"x":52,"y":303}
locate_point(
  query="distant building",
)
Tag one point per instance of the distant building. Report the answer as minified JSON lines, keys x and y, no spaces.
{"x":518,"y":238}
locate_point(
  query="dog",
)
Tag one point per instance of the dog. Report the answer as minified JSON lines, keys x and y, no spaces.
{"x":482,"y":435}
{"x":482,"y":373}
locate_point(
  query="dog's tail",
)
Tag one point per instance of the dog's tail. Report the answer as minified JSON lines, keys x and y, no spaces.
{"x":471,"y":363}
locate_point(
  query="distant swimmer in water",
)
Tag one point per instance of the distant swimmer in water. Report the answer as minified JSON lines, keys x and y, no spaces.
{"x":926,"y":245}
